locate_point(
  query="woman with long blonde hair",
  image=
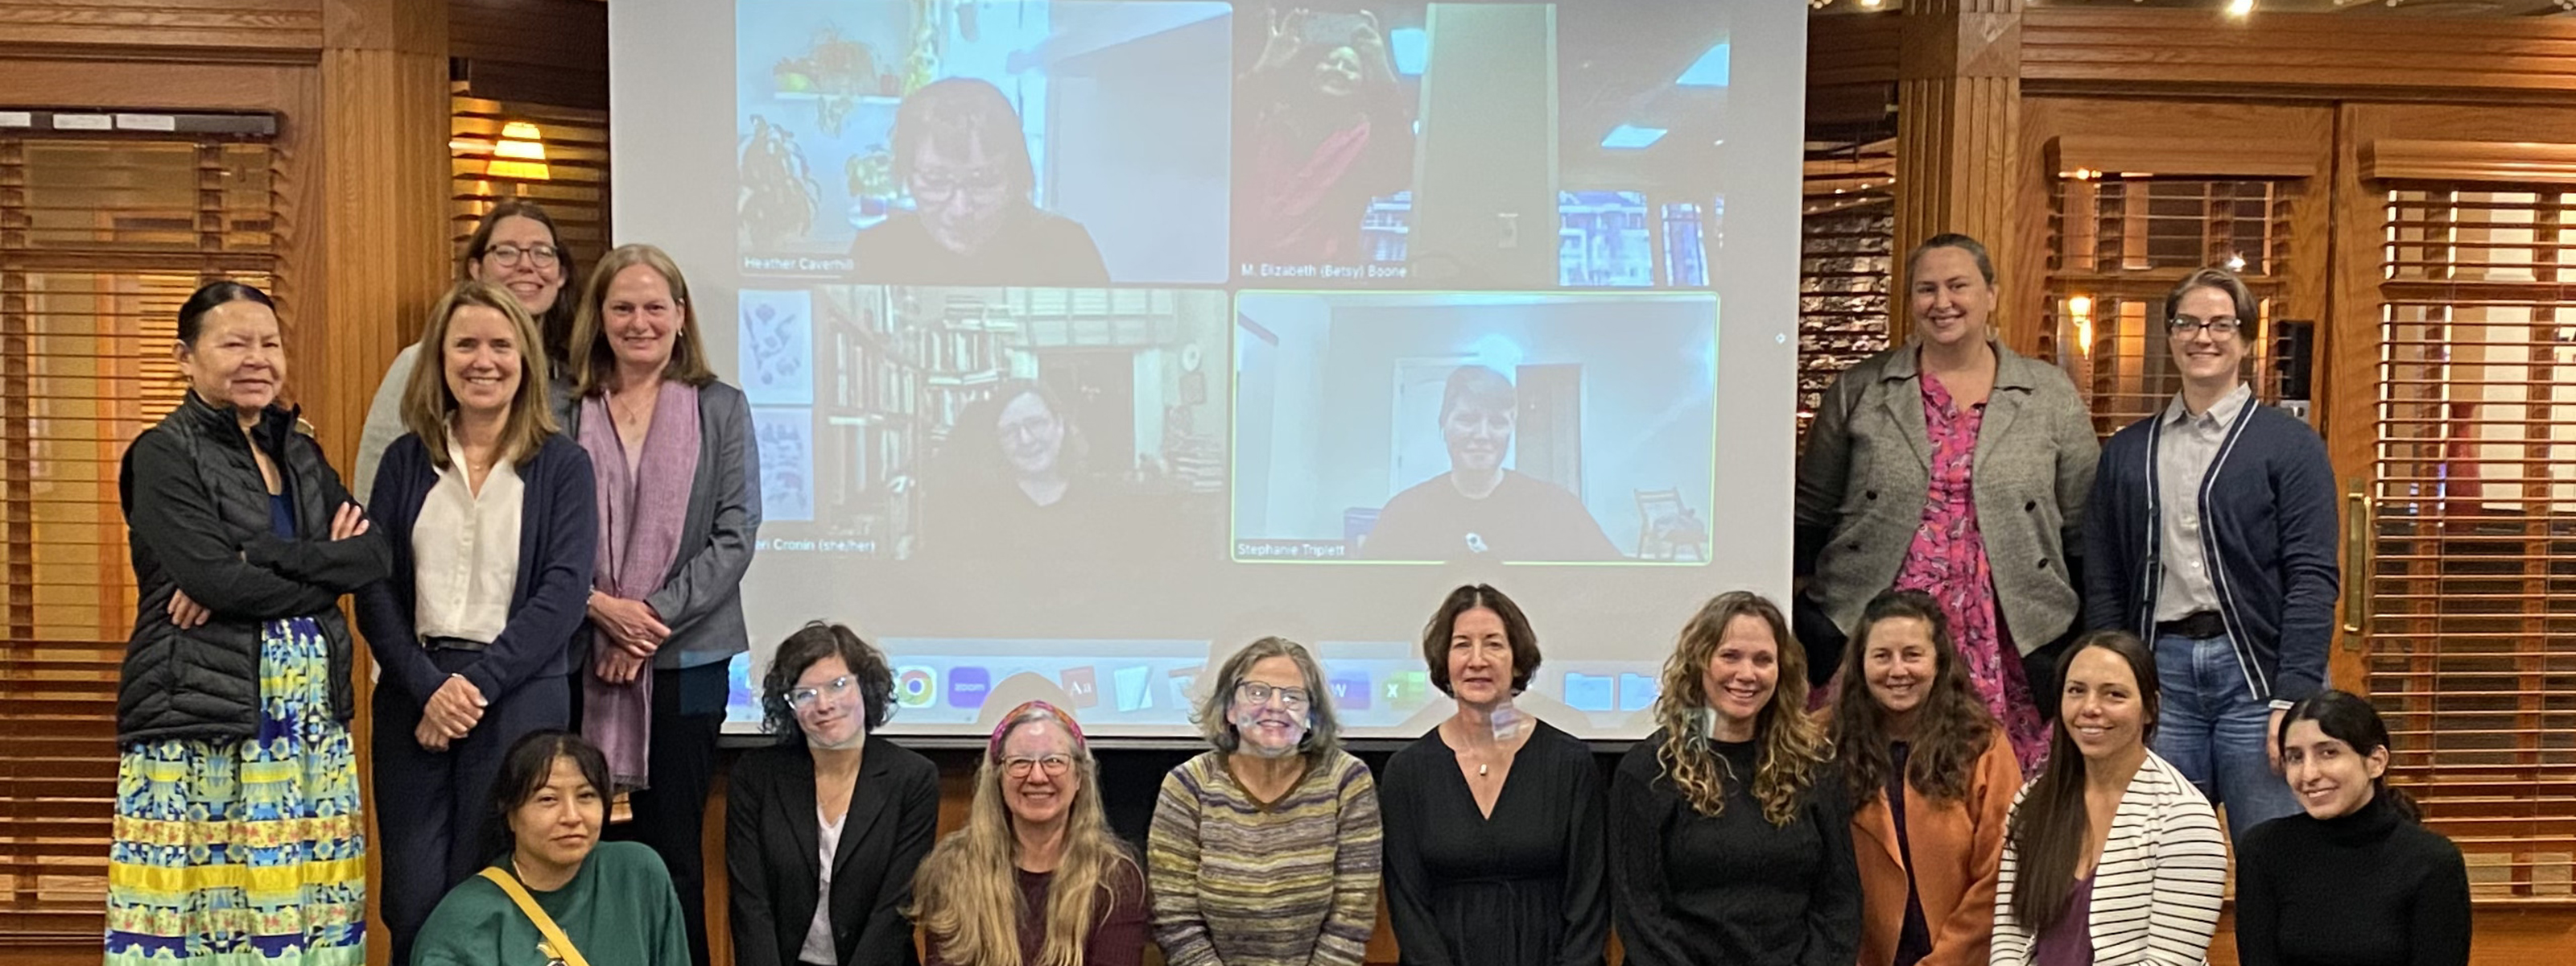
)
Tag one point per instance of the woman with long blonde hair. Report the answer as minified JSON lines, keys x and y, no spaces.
{"x":1730,"y":831}
{"x":1035,"y":878}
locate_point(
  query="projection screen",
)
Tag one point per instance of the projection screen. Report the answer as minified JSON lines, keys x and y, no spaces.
{"x":1090,"y":340}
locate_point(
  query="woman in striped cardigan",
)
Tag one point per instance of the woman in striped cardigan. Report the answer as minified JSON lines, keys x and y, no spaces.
{"x":1264,"y":852}
{"x":2111,"y":857}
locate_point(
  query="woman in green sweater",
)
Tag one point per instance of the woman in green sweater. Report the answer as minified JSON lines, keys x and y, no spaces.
{"x":611,"y":902}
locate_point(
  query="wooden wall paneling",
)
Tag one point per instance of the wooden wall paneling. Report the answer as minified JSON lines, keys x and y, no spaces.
{"x":2314,"y":56}
{"x":383,"y":146}
{"x":1851,"y":71}
{"x":1958,"y":97}
{"x":183,"y":29}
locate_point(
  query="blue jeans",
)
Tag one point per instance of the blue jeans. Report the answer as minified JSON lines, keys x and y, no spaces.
{"x":2213,"y":729}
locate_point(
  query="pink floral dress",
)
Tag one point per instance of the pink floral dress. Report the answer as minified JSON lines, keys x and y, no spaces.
{"x":1948,"y":561}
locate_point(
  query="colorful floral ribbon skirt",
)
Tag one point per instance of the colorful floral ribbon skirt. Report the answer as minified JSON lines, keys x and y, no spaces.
{"x":250,"y":852}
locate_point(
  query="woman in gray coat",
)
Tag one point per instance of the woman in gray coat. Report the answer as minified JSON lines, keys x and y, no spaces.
{"x":678,"y":473}
{"x":1956,"y":467}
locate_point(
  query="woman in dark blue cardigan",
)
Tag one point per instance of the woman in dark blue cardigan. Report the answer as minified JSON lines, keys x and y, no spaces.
{"x":492,"y":516}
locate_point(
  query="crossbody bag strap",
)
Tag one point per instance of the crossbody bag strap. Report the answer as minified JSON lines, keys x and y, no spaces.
{"x":563,"y":948}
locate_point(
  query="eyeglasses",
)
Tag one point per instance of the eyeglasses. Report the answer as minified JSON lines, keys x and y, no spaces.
{"x":803,"y":699}
{"x":2220,"y":325}
{"x":545,"y":255}
{"x":1255,"y":692}
{"x":1027,"y":429}
{"x":933,"y":187}
{"x":1018,"y":766}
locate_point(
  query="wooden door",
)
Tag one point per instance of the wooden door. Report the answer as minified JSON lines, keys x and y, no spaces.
{"x":2456,"y":300}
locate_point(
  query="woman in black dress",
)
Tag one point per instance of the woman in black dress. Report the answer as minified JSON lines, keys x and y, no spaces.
{"x":1494,"y":842}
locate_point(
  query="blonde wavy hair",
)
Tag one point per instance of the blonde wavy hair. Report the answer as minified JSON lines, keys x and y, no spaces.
{"x":966,"y":895}
{"x":1792,"y":745}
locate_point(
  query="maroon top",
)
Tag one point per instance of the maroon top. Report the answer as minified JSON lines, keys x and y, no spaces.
{"x":1948,"y":561}
{"x":1119,"y":940}
{"x":2070,"y":941}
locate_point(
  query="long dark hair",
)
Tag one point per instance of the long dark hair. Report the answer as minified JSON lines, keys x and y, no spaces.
{"x":1951,"y":727}
{"x":2349,"y":718}
{"x":2048,"y":829}
{"x":524,"y":770}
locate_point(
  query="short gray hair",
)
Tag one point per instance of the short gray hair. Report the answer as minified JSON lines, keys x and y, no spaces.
{"x":1323,"y":736}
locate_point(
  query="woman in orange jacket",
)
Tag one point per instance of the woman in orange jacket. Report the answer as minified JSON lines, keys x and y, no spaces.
{"x":1931,"y":778}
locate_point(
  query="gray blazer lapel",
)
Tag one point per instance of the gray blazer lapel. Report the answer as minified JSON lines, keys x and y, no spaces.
{"x":1904,"y":401}
{"x":2001,"y":406}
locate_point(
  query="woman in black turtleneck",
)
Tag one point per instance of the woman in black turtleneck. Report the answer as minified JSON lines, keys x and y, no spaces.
{"x":2356,"y":881}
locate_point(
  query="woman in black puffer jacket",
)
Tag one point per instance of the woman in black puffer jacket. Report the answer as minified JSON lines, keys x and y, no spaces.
{"x":237,"y":813}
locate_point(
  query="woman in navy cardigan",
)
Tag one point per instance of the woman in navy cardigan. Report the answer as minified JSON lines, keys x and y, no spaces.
{"x":491,"y":514}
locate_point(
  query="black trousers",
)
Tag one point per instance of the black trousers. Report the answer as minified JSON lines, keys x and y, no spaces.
{"x":671,"y":816}
{"x":432,"y":807}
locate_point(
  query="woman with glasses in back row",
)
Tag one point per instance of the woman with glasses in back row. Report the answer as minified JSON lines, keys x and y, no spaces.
{"x":517,"y":248}
{"x":824,"y":829}
{"x":1264,"y":851}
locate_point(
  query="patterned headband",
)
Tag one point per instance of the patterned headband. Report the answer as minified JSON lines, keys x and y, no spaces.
{"x":993,"y":748}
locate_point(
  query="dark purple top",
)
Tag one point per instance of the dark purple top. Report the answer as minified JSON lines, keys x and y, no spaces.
{"x":2070,"y":941}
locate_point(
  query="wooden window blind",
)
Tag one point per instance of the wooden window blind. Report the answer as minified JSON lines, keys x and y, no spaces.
{"x":2116,"y":246}
{"x":1846,"y":265}
{"x":574,"y":191}
{"x":100,"y":242}
{"x":2471,"y":604}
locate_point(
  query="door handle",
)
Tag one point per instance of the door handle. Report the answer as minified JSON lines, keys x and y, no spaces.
{"x":2359,"y":559}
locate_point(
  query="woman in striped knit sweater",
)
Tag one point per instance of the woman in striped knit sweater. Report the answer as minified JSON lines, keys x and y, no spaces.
{"x":2111,"y":857}
{"x":1264,"y":851}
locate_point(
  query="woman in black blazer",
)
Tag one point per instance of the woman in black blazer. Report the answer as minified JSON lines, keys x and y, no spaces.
{"x":491,"y":516}
{"x":829,"y":787}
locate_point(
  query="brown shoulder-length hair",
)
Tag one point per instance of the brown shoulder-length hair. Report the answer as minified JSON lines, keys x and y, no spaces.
{"x":1951,"y":727}
{"x":428,"y":403}
{"x":1792,"y":746}
{"x":594,"y":363}
{"x":1444,"y":624}
{"x":1323,"y":730}
{"x":555,"y":326}
{"x":2048,"y":829}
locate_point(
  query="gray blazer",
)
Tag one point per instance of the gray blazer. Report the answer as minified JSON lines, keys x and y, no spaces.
{"x":1867,"y":470}
{"x":701,"y":598}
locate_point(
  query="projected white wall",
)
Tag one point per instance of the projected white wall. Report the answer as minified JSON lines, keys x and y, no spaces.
{"x":1090,"y":340}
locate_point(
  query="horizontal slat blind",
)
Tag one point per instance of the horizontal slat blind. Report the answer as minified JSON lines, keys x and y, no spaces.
{"x":100,"y":242}
{"x":575,"y":191}
{"x":2117,"y":246}
{"x":1846,"y":265}
{"x":2473,"y":592}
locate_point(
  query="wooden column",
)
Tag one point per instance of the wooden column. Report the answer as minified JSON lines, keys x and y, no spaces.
{"x":1958,"y":109}
{"x":384,"y":253}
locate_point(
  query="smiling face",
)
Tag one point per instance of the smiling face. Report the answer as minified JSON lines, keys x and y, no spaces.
{"x":1743,"y":672}
{"x":1032,"y":435}
{"x":1480,"y":658}
{"x":1951,"y":298}
{"x":2103,"y":710}
{"x":1044,"y":792}
{"x":2204,"y":356}
{"x":482,"y":359}
{"x":1899,"y":664}
{"x":559,"y":824}
{"x":532,"y":277}
{"x":640,"y":318}
{"x":239,"y":358}
{"x":1337,"y":73}
{"x":1269,"y":707}
{"x":833,"y":717}
{"x":1477,"y":435}
{"x":2329,"y":777}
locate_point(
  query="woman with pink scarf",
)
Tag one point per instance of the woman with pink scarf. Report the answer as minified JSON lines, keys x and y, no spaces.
{"x":679,"y":507}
